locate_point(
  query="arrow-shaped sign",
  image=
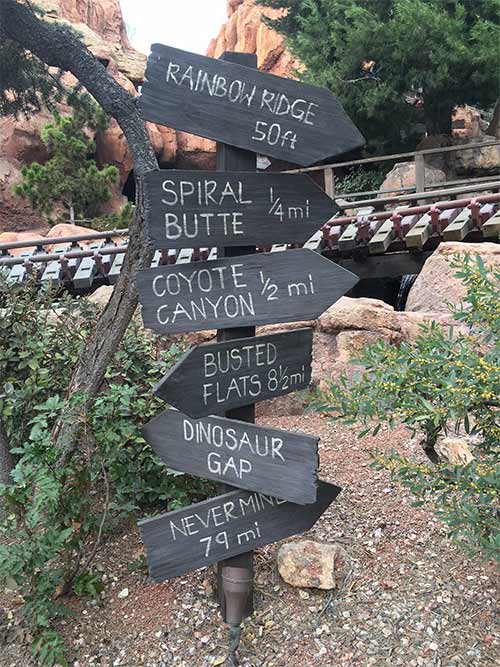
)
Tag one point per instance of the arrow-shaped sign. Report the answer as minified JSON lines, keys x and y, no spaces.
{"x":243,"y":107}
{"x":225,"y":526}
{"x":194,"y":209}
{"x":242,"y":291}
{"x":237,"y":453}
{"x":216,"y":376}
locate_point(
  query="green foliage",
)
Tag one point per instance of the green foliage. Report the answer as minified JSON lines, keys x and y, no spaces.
{"x":112,"y":221}
{"x":56,"y":516}
{"x":360,"y":180}
{"x":443,"y":52}
{"x":445,"y":382}
{"x":70,"y":177}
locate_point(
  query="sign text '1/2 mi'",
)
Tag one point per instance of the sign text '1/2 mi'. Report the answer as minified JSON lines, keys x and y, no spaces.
{"x":238,"y":453}
{"x":233,"y":373}
{"x":242,"y":291}
{"x":225,"y":526}
{"x":186,"y":209}
{"x":244,"y":107}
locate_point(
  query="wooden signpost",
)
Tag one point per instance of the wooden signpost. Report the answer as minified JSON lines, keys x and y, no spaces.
{"x":238,"y":453}
{"x":223,"y":527}
{"x":238,"y":372}
{"x":243,"y":107}
{"x":194,"y":209}
{"x":246,"y":111}
{"x":260,"y":289}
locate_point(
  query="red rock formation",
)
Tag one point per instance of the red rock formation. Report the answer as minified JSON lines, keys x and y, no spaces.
{"x":245,"y":31}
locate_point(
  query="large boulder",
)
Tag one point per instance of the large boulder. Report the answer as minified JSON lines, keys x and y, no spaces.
{"x":480,"y":161}
{"x":436,"y":285}
{"x":308,"y":564}
{"x":402,"y":175}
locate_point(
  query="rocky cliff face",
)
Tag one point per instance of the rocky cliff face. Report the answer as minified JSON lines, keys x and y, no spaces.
{"x":245,"y":31}
{"x":101,"y":25}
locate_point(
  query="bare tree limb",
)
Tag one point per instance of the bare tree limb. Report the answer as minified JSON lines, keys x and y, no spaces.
{"x":58,"y":46}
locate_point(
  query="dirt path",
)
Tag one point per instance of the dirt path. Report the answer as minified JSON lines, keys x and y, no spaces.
{"x":413,"y":599}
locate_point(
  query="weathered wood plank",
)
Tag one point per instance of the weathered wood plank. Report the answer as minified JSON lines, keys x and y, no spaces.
{"x":238,"y":372}
{"x":419,"y":234}
{"x":233,"y":452}
{"x":382,"y":239}
{"x":191,"y":209}
{"x":492,"y":226}
{"x":225,"y":526}
{"x":347,"y":240}
{"x":240,"y":291}
{"x":460,"y":227}
{"x":244,"y":107}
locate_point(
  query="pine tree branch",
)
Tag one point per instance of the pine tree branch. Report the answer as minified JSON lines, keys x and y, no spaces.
{"x":58,"y":46}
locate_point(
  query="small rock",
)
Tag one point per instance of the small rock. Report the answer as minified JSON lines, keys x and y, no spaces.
{"x":123,"y":594}
{"x":308,"y":564}
{"x":455,"y":451}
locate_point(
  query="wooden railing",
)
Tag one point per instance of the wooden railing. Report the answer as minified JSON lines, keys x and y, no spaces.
{"x":419,"y":158}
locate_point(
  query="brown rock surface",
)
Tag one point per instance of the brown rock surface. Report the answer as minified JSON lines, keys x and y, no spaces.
{"x":402,"y":175}
{"x":436,"y":284}
{"x":245,"y":31}
{"x":455,"y":450}
{"x":15,"y":213}
{"x":480,"y":161}
{"x":308,"y":564}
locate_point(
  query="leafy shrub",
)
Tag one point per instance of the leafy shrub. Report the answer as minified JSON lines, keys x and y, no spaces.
{"x":55,"y":516}
{"x":444,"y":383}
{"x":360,"y":180}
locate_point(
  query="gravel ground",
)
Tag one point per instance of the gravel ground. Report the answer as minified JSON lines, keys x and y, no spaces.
{"x":413,"y":599}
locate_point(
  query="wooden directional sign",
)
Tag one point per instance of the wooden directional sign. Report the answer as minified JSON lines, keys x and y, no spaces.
{"x":241,"y":291}
{"x":238,"y":453}
{"x":222,"y":376}
{"x":243,"y":107}
{"x":194,"y":209}
{"x":225,"y":526}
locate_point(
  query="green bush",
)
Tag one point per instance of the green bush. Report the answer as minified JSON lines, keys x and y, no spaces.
{"x":360,"y":180}
{"x":55,"y":517}
{"x":444,"y":383}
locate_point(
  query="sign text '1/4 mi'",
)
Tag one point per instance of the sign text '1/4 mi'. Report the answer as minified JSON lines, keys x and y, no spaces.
{"x":225,"y":526}
{"x":233,"y":452}
{"x":229,"y":374}
{"x":244,"y":107}
{"x":242,"y":291}
{"x":186,"y":209}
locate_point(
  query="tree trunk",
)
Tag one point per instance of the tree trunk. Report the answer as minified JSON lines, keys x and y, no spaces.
{"x":72,"y":214}
{"x":7,"y":462}
{"x":437,"y":116}
{"x":57,"y":46}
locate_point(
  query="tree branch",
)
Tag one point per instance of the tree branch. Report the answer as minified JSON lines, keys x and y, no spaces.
{"x":58,"y":46}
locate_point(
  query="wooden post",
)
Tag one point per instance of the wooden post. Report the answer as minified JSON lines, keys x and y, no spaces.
{"x":236,"y":159}
{"x":419,"y":172}
{"x":330,"y":182}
